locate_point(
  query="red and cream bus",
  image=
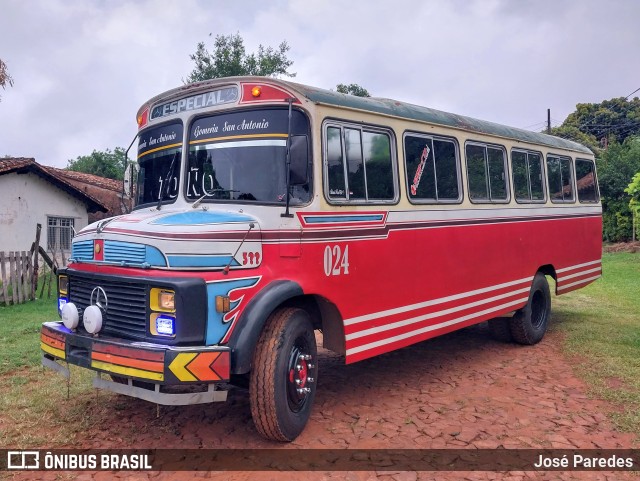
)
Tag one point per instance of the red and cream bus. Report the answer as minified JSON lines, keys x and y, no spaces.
{"x":268,"y":210}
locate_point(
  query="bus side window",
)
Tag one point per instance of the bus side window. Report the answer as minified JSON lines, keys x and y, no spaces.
{"x":477,"y":172}
{"x":528,"y":185}
{"x":335,"y":162}
{"x":359,"y":165}
{"x":559,"y":174}
{"x":432,"y":169}
{"x":586,"y":180}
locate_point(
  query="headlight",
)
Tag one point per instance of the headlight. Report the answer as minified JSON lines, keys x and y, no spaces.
{"x":162,"y":300}
{"x":163,"y":325}
{"x":63,"y":285}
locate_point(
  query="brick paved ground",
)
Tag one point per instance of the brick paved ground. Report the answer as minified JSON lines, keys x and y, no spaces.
{"x":463,"y":390}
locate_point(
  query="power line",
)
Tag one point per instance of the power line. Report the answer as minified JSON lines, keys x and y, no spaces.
{"x":632,"y":93}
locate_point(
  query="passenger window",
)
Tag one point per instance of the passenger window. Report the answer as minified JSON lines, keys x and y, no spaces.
{"x":586,"y":181}
{"x":486,"y":171}
{"x":368,"y":167}
{"x":527,"y":176}
{"x":432,"y":169}
{"x":559,"y":175}
{"x":335,"y":164}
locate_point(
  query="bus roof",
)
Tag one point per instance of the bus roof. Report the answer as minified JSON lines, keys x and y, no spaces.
{"x":389,"y":107}
{"x":424,"y":114}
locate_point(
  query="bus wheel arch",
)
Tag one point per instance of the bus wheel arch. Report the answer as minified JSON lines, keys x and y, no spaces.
{"x":245,"y":336}
{"x":529,"y":324}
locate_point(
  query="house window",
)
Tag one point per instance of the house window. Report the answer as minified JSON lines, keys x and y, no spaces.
{"x":59,"y":233}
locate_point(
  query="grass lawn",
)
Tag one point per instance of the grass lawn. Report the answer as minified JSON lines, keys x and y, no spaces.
{"x":19,"y":332}
{"x":602,"y":326}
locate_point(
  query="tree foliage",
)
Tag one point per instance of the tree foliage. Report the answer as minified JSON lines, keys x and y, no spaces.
{"x":353,"y":89}
{"x":611,"y":129}
{"x":105,"y":164}
{"x":5,"y":78}
{"x":617,"y":165}
{"x":229,"y":58}
{"x":614,"y":119}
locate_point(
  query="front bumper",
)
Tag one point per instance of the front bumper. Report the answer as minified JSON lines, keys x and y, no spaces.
{"x":130,"y":362}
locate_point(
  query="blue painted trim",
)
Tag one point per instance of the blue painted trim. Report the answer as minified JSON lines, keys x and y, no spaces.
{"x":342,"y":218}
{"x":216,"y":325}
{"x":201,"y":261}
{"x":82,"y":250}
{"x":202,"y":217}
{"x":154,"y":257}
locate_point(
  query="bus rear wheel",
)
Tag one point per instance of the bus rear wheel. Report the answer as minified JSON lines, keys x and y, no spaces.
{"x":283,"y":375}
{"x":529,"y":324}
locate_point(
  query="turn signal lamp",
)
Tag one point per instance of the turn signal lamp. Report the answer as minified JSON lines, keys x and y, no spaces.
{"x":223,"y":304}
{"x":256,"y":91}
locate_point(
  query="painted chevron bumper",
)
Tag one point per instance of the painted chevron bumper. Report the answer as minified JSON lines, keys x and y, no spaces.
{"x":166,"y":365}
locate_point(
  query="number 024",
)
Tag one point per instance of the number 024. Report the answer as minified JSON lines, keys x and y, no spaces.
{"x":336,"y":261}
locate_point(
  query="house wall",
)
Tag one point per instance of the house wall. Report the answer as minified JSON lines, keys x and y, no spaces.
{"x":26,"y":200}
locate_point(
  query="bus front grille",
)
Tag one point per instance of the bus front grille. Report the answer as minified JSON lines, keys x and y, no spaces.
{"x":126,"y":309}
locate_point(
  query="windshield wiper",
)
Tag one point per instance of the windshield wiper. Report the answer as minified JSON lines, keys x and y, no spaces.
{"x":164,"y":188}
{"x":210,"y":194}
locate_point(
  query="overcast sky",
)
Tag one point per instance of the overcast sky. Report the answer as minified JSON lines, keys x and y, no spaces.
{"x":82,"y":68}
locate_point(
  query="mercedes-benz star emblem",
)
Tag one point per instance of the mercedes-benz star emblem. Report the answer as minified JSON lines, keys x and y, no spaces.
{"x":99,"y":298}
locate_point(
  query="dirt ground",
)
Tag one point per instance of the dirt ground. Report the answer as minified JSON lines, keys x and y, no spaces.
{"x":463,"y":390}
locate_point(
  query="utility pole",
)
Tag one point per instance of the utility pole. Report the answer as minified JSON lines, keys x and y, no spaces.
{"x":549,"y":121}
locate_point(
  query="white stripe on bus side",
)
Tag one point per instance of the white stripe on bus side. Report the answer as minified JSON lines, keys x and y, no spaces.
{"x":413,"y":320}
{"x":417,"y":332}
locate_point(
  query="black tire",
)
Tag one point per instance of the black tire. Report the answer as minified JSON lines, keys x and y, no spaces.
{"x":529,"y":324}
{"x":284,"y":375}
{"x":500,"y":329}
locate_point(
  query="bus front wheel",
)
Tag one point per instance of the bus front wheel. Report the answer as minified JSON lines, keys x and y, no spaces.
{"x":529,"y":324}
{"x":284,"y":375}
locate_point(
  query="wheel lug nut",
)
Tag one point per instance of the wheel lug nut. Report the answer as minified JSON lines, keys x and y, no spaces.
{"x":310,"y":379}
{"x":298,"y":381}
{"x":311,"y":366}
{"x":298,"y":367}
{"x":304,"y":390}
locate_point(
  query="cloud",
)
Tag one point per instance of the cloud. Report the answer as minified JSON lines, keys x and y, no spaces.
{"x":82,"y":69}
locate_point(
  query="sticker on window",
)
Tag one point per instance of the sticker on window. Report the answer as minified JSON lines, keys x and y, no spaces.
{"x":419,"y":170}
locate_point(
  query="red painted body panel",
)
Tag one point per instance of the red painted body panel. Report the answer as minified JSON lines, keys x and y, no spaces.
{"x":410,"y":281}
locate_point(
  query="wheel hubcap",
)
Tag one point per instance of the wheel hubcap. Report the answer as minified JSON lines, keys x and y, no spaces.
{"x":300,"y":367}
{"x":538,"y":310}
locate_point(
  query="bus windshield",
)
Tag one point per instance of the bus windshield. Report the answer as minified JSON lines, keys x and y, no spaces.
{"x":159,"y":151}
{"x":241,"y":156}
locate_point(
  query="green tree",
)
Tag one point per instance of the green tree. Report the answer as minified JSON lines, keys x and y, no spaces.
{"x":105,"y":164}
{"x":5,"y":78}
{"x":229,"y":58}
{"x":634,"y":204}
{"x":616,"y":165}
{"x":353,"y":89}
{"x":614,"y":119}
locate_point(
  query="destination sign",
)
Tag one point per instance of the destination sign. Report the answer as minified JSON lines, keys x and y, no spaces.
{"x":224,"y":95}
{"x":160,"y":138}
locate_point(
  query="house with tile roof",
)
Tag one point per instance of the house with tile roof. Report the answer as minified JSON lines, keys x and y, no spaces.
{"x":62,"y":202}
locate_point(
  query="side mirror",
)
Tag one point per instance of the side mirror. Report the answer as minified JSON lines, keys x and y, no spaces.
{"x":299,"y":152}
